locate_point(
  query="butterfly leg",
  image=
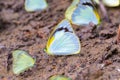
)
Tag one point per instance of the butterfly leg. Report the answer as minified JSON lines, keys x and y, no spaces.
{"x":94,"y":29}
{"x":89,"y":28}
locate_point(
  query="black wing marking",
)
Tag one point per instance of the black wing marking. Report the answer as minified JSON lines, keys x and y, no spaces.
{"x":62,"y":28}
{"x":88,"y":4}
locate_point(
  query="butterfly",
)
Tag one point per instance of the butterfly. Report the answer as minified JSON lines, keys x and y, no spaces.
{"x":63,"y":40}
{"x":109,"y":3}
{"x":21,"y":61}
{"x":35,"y":5}
{"x":59,"y":77}
{"x":82,"y":12}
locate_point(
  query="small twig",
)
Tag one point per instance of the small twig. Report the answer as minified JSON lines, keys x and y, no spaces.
{"x":118,"y":35}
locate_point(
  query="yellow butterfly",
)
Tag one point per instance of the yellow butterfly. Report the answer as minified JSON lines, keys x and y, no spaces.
{"x":63,"y":40}
{"x":21,"y":61}
{"x":82,"y":12}
{"x":59,"y":77}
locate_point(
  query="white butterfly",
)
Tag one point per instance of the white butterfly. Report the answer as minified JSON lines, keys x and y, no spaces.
{"x":63,"y":40}
{"x":35,"y":5}
{"x":109,"y":3}
{"x":82,"y":12}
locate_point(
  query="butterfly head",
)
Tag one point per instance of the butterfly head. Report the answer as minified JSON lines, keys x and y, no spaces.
{"x":46,"y":50}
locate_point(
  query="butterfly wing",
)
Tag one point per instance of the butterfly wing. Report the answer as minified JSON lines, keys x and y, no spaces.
{"x":34,"y":5}
{"x":111,"y":3}
{"x":85,"y":14}
{"x":64,"y":24}
{"x":85,"y":1}
{"x":65,"y":41}
{"x":70,"y":9}
{"x":21,"y":61}
{"x":67,"y":44}
{"x":59,"y":77}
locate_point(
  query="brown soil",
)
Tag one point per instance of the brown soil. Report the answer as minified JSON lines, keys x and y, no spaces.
{"x":99,"y":58}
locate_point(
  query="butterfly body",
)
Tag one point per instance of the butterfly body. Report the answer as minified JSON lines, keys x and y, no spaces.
{"x":63,"y":40}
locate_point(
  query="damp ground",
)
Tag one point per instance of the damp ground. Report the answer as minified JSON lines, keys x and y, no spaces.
{"x":99,"y":58}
